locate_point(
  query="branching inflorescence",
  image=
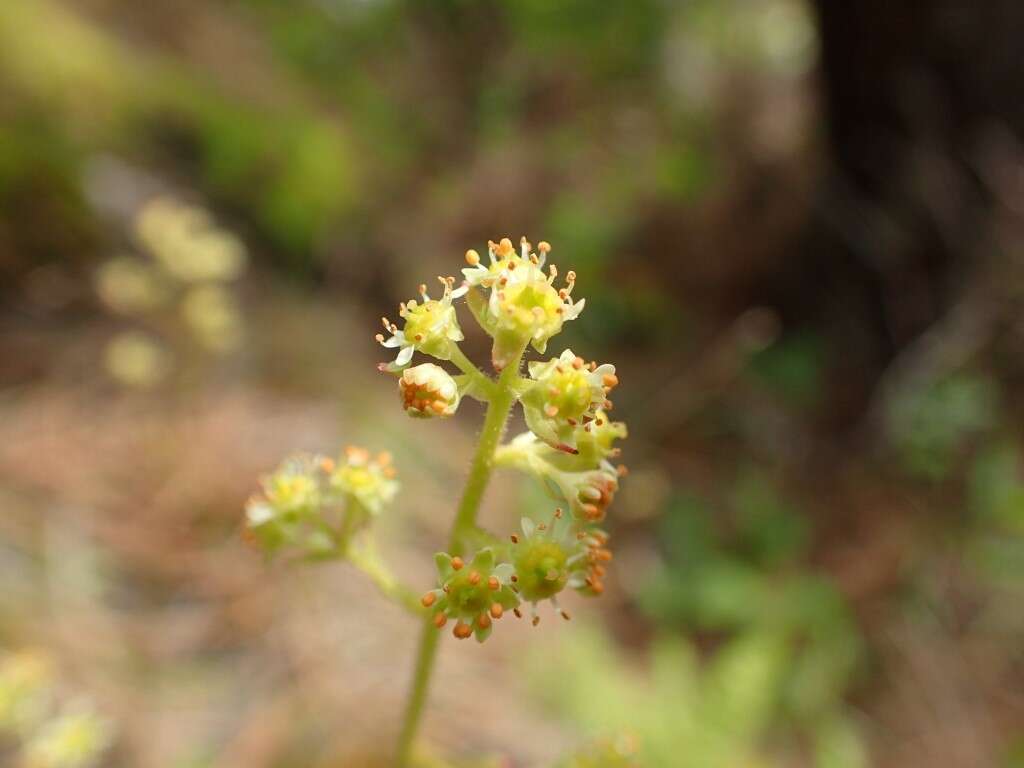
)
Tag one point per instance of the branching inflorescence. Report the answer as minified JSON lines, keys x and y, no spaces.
{"x":323,"y":509}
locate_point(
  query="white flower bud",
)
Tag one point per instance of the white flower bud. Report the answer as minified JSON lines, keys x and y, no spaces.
{"x":428,"y":390}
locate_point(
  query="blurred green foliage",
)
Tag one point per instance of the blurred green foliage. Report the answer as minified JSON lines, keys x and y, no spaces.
{"x":746,"y":583}
{"x":682,"y":711}
{"x":928,"y":425}
{"x":792,"y":368}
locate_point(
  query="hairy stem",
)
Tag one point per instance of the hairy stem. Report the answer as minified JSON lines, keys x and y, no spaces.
{"x":502,"y":398}
{"x":464,"y":364}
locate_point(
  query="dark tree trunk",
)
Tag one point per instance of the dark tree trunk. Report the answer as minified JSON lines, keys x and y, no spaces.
{"x":924,"y":109}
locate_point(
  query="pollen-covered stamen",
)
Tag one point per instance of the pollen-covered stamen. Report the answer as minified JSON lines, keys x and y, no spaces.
{"x":462,"y":630}
{"x":472,"y":257}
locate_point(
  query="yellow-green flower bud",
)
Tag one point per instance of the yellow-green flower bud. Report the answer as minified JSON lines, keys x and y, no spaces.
{"x":428,"y":390}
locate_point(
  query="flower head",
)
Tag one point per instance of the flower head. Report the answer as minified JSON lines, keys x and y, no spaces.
{"x":566,"y":393}
{"x":551,"y":556}
{"x":428,"y":390}
{"x":315,"y":505}
{"x":368,"y":480}
{"x":474,"y":595}
{"x":27,"y":683}
{"x":431,"y":326}
{"x":524,"y":307}
{"x":75,"y":739}
{"x":504,"y":263}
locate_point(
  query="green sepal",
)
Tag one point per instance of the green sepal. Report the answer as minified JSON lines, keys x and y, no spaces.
{"x":483,"y":561}
{"x":443,"y":561}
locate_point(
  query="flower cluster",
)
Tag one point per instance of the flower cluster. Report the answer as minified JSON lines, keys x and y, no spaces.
{"x":586,"y":479}
{"x":183,"y":276}
{"x":56,"y":728}
{"x":569,"y":446}
{"x":541,"y":562}
{"x":314,"y":505}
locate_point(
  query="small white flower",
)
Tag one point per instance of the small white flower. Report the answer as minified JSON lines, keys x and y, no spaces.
{"x":431,"y":327}
{"x":523,"y":305}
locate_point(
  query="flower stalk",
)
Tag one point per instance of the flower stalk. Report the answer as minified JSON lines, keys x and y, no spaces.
{"x":498,"y":409}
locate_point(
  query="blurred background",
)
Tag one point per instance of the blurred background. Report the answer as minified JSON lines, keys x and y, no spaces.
{"x":798,"y":227}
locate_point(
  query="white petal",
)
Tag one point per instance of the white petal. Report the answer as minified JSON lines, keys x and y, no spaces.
{"x":404,"y":356}
{"x":259,"y":513}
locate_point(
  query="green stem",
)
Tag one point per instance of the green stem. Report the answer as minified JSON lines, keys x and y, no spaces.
{"x":502,"y":399}
{"x":368,"y":561}
{"x":464,"y":364}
